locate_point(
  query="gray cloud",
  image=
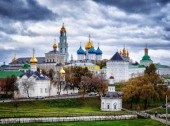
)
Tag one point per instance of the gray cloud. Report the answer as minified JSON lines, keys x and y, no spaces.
{"x":135,"y":6}
{"x":25,"y":10}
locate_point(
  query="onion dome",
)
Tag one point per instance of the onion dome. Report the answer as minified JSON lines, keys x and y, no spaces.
{"x":14,"y":59}
{"x":89,"y":44}
{"x":80,"y":51}
{"x":124,"y":52}
{"x":98,"y":51}
{"x":62,"y":71}
{"x":63,"y":28}
{"x":33,"y":59}
{"x":92,"y":50}
{"x":55,"y":45}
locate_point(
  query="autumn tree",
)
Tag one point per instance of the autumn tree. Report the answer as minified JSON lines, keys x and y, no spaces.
{"x":99,"y":84}
{"x":75,"y":74}
{"x":130,"y":91}
{"x":27,"y":84}
{"x":9,"y":86}
{"x":101,"y":63}
{"x":85,"y":83}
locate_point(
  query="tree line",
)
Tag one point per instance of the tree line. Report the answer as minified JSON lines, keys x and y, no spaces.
{"x":146,"y":88}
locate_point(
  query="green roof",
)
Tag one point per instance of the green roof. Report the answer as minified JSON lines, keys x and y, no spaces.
{"x":5,"y":74}
{"x":158,"y":65}
{"x":146,"y":58}
{"x":26,"y":66}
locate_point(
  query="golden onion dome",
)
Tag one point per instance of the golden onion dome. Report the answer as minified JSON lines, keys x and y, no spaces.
{"x":55,"y":44}
{"x":124,"y":51}
{"x":62,"y":71}
{"x":63,"y":28}
{"x":14,"y":59}
{"x":33,"y":59}
{"x":88,"y":45}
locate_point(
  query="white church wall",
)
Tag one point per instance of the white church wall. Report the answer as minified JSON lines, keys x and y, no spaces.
{"x":114,"y":104}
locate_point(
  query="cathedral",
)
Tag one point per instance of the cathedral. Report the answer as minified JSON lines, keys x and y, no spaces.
{"x":89,"y":54}
{"x":57,"y":57}
{"x":121,"y":67}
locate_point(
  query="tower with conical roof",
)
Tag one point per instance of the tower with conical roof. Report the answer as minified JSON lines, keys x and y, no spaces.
{"x":63,"y":45}
{"x":33,"y":61}
{"x":146,"y":60}
{"x":118,"y":67}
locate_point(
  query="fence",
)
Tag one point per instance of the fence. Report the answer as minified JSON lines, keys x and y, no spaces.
{"x":66,"y":119}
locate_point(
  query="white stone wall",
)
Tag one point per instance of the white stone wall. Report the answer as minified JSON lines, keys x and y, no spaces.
{"x":81,"y":57}
{"x":163,"y":71}
{"x":119,"y":70}
{"x":146,"y":63}
{"x":111,"y":104}
{"x":135,"y":72}
{"x":98,"y":57}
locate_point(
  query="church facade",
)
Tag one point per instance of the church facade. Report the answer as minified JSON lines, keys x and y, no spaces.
{"x":90,"y":54}
{"x":57,"y":57}
{"x":121,"y":67}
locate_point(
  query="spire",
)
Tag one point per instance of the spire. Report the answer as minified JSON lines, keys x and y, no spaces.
{"x":33,"y":59}
{"x":63,"y":28}
{"x":146,"y":50}
{"x":33,"y":51}
{"x":89,"y":37}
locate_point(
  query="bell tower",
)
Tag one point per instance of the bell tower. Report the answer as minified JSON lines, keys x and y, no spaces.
{"x":63,"y":45}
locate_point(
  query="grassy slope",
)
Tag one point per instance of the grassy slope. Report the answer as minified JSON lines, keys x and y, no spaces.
{"x":139,"y":122}
{"x":60,"y":107}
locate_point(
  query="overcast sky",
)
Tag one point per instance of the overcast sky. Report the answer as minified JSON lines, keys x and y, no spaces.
{"x":27,"y":24}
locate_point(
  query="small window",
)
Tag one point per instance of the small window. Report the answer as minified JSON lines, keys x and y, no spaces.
{"x":45,"y":90}
{"x":108,"y":107}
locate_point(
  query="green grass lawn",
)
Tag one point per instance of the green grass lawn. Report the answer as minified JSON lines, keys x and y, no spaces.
{"x":137,"y":122}
{"x":59,"y":107}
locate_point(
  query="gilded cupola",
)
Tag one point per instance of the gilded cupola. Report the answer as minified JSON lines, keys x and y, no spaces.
{"x":14,"y":58}
{"x":55,"y":45}
{"x":89,"y":44}
{"x":63,"y":28}
{"x":33,"y":59}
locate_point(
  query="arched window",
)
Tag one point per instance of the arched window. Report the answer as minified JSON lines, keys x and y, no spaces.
{"x":115,"y":105}
{"x":108,"y":106}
